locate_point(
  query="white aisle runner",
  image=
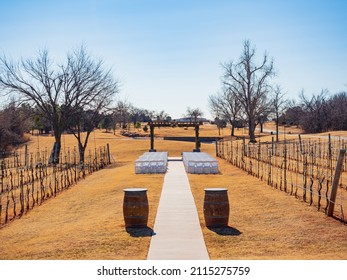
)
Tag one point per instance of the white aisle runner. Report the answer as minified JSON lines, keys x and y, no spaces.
{"x":178,"y":234}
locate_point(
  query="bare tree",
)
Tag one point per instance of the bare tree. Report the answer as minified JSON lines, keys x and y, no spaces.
{"x":140,"y":115}
{"x":249,"y":82}
{"x":82,"y":124}
{"x":293,"y":113}
{"x":279,"y":106}
{"x":37,"y":82}
{"x":262,"y":119}
{"x":59,"y":91}
{"x":213,"y":103}
{"x":318,"y":113}
{"x":14,"y":122}
{"x":122,"y":113}
{"x":337,"y":111}
{"x":194,"y":114}
{"x":107,"y":122}
{"x":162,"y":116}
{"x":226,"y":106}
{"x":315,"y":117}
{"x":93,"y":92}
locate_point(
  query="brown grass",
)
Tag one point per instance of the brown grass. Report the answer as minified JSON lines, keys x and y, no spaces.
{"x":206,"y":129}
{"x":86,"y":221}
{"x":266,"y":223}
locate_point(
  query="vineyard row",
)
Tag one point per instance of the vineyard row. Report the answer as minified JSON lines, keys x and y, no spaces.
{"x":22,"y":187}
{"x":304,"y":169}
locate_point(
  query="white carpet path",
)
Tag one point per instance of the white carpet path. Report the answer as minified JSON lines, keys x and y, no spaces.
{"x":178,"y":234}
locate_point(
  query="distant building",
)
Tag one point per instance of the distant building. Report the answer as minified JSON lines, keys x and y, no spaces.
{"x":187,"y":119}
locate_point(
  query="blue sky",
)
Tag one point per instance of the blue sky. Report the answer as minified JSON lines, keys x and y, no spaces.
{"x":168,"y":54}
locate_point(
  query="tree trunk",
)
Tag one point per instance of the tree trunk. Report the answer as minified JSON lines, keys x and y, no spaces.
{"x":251,"y":127}
{"x":261,"y":127}
{"x":82,"y":146}
{"x":81,"y":150}
{"x":277,"y":130}
{"x":56,"y":154}
{"x":232,"y":129}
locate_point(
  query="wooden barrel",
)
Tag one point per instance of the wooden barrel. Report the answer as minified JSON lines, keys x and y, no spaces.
{"x":216,"y":207}
{"x":135,"y":207}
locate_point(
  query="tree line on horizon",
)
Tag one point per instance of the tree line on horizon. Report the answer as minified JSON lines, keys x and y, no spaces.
{"x":248,"y":98}
{"x":75,"y":96}
{"x":79,"y":95}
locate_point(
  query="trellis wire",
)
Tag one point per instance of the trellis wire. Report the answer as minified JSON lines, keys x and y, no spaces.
{"x":303,"y":168}
{"x":22,"y":187}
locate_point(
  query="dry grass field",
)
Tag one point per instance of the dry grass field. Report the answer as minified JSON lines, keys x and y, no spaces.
{"x":266,"y":223}
{"x":86,"y":221}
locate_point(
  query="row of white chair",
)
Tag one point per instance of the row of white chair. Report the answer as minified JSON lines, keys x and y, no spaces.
{"x":200,"y":163}
{"x":151,"y":163}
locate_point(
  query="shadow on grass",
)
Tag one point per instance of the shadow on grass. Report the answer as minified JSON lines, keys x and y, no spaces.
{"x":226,"y":231}
{"x":140,"y":232}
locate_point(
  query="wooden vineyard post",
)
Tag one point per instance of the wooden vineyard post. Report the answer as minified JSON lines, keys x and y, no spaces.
{"x":270,"y":181}
{"x":330,"y":157}
{"x":285,"y":166}
{"x":300,"y":144}
{"x":21,"y":197}
{"x":329,"y":145}
{"x":227,"y":152}
{"x":108,"y":154}
{"x":223,"y":155}
{"x":231,"y":150}
{"x":26,"y":155}
{"x":197,"y":142}
{"x":258,"y":171}
{"x":217,"y":155}
{"x":335,"y":185}
{"x":219,"y":148}
{"x":151,"y":126}
{"x":243,"y":154}
{"x":2,"y":175}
